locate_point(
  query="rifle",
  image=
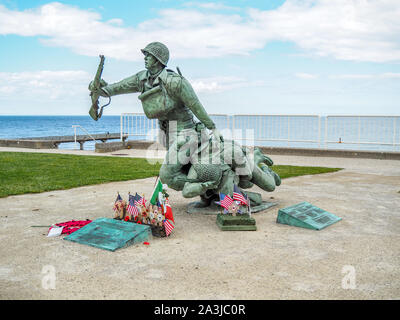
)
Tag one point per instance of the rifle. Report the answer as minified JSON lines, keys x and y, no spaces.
{"x":93,"y":112}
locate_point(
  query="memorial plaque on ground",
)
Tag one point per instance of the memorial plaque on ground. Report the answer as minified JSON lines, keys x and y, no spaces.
{"x":306,"y":215}
{"x":110,"y":234}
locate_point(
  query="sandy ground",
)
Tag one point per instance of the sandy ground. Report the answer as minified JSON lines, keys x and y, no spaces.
{"x":198,"y":261}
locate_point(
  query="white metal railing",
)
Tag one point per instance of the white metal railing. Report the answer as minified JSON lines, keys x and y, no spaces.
{"x":75,"y":126}
{"x":332,"y":131}
{"x":221,"y":121}
{"x":138,"y":125}
{"x":278,"y":128}
{"x":362,"y":130}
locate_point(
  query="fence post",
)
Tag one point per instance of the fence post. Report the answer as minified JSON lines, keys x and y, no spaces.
{"x":326,"y":132}
{"x":394,"y":133}
{"x":121,"y":126}
{"x":319,"y":132}
{"x":233,"y":127}
{"x":359,"y":130}
{"x":75,"y":134}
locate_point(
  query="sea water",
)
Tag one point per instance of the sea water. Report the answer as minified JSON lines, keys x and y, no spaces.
{"x":12,"y":127}
{"x":268,"y":130}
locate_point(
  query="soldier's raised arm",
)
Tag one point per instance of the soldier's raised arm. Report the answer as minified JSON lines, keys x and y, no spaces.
{"x":128,"y":85}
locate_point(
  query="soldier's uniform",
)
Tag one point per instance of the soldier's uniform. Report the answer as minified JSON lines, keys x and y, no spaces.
{"x":168,"y":97}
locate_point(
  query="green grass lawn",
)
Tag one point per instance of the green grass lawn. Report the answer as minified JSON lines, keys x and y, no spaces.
{"x":22,"y":172}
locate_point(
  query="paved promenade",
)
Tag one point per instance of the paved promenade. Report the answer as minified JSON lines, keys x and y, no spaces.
{"x":199,"y":261}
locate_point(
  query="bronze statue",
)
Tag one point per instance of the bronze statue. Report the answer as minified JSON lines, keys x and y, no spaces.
{"x":197,"y":164}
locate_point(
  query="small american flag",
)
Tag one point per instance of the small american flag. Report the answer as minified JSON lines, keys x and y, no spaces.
{"x":133,"y":210}
{"x":168,"y":227}
{"x":225,"y":201}
{"x":142,"y":201}
{"x":238,"y":196}
{"x":116,"y":200}
{"x":138,"y":200}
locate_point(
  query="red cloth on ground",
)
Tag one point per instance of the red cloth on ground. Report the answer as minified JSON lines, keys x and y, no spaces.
{"x":72,"y":226}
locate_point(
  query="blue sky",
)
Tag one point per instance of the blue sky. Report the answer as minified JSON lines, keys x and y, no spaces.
{"x":271,"y":57}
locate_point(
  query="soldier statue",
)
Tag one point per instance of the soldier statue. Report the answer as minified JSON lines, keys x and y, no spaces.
{"x":167,"y":96}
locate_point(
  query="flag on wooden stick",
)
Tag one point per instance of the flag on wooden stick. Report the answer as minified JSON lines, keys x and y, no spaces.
{"x":138,"y":200}
{"x":115,"y":208}
{"x":131,"y":208}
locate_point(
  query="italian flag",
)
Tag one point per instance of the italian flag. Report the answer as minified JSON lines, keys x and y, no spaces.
{"x":157,"y":189}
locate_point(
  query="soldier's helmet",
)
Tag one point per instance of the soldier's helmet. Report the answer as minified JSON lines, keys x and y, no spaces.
{"x":158,"y":50}
{"x":208,"y":172}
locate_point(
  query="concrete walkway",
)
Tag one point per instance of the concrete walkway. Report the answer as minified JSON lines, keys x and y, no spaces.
{"x":198,"y":261}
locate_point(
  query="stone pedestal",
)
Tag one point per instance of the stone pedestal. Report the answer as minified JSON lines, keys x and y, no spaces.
{"x":236,"y":223}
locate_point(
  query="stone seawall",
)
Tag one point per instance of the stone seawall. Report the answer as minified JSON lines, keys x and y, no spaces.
{"x":141,"y":144}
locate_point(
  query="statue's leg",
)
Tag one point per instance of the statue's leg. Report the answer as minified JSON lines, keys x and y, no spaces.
{"x":229,"y":179}
{"x":192,"y":189}
{"x":245,"y":183}
{"x":177,"y":161}
{"x":172,"y":171}
{"x":206,"y":199}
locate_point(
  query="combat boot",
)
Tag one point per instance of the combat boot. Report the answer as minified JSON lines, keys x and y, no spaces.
{"x":206,"y":199}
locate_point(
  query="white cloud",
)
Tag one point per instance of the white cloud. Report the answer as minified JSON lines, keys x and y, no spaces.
{"x":390,"y":75}
{"x":303,"y":75}
{"x":352,"y":76}
{"x":387,"y":75}
{"x":359,"y":30}
{"x":117,"y":22}
{"x":210,"y":5}
{"x":58,"y":85}
{"x":43,"y":85}
{"x":218,"y":84}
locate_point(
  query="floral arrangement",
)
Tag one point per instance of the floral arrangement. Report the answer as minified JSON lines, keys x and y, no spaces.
{"x":138,"y":210}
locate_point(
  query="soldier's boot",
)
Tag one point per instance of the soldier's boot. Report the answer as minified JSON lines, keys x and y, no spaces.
{"x":206,"y":199}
